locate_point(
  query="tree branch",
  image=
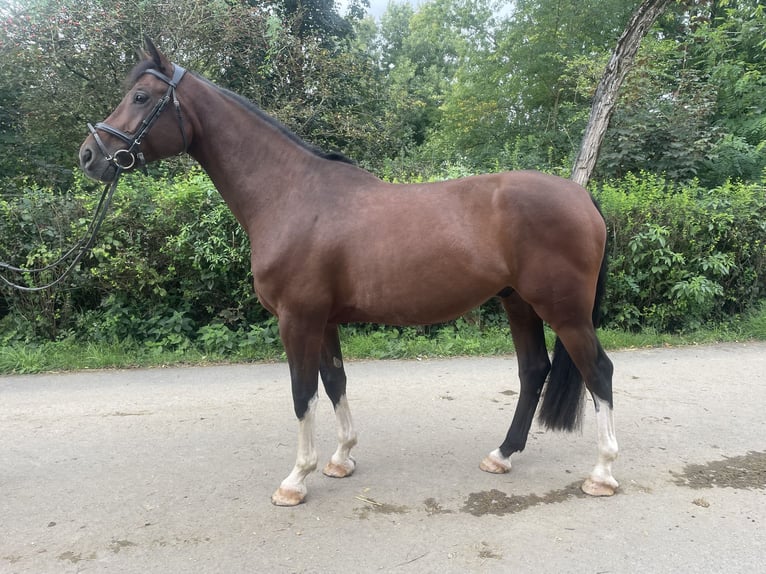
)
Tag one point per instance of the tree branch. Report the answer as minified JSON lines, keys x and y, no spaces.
{"x":605,"y":98}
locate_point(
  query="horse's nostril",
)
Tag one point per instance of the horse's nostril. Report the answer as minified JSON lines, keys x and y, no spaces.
{"x":85,"y":157}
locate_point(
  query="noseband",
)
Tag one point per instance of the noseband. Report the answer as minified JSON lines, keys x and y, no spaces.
{"x":128,"y":157}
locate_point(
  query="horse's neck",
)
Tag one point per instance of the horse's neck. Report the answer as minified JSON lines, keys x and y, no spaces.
{"x":250,"y":161}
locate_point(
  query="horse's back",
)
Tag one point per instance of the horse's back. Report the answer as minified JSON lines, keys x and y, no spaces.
{"x":427,"y":253}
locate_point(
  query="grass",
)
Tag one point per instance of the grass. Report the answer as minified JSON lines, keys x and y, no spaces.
{"x":755,"y":324}
{"x":460,"y":340}
{"x":69,"y":355}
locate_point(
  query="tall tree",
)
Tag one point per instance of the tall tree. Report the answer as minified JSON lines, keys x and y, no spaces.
{"x":421,"y":50}
{"x":520,"y":97}
{"x":694,"y":106}
{"x":606,"y":93}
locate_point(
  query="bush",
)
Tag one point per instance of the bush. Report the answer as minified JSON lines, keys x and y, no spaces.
{"x":682,"y":256}
{"x":170,"y":268}
{"x":36,"y":226}
{"x":169,"y":259}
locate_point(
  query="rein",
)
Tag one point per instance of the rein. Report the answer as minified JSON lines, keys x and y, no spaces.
{"x":123,"y":159}
{"x":79,"y":249}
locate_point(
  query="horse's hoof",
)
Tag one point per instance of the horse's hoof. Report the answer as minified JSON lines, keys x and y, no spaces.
{"x":495,"y":466}
{"x":287,"y":497}
{"x":594,"y":488}
{"x":342,"y":470}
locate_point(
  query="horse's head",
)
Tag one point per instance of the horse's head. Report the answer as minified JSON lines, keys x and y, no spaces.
{"x":146,"y":126}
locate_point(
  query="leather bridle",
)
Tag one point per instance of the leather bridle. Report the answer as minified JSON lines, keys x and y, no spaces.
{"x":131,"y":156}
{"x":122,"y":159}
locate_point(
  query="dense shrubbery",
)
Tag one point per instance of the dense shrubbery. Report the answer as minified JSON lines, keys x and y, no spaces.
{"x":171,"y":265}
{"x":682,"y":256}
{"x":170,"y":260}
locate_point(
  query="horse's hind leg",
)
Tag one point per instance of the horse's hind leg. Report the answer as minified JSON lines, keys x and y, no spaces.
{"x":596,"y":369}
{"x":333,"y":376}
{"x":601,"y":482}
{"x":532,"y":356}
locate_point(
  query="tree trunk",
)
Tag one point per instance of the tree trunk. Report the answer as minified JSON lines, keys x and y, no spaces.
{"x":606,"y":94}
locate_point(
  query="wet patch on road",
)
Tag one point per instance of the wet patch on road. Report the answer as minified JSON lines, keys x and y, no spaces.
{"x":118,"y":545}
{"x":433,"y":507}
{"x":494,"y":502}
{"x":486,"y":553}
{"x":75,"y":558}
{"x":375,"y":507}
{"x":499,"y":503}
{"x":741,"y":472}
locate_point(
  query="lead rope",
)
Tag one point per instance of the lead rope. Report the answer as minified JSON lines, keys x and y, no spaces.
{"x":80,"y":249}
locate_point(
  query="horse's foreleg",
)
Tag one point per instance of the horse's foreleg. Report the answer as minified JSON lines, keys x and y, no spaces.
{"x":342,"y":464}
{"x":333,"y":375}
{"x":292,"y":490}
{"x":302,"y":341}
{"x":529,"y":341}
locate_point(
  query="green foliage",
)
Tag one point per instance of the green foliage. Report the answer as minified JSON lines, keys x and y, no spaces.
{"x":755,"y":323}
{"x":695,"y":105}
{"x":71,"y":354}
{"x":65,"y":62}
{"x":170,"y":258}
{"x":170,"y":269}
{"x":664,"y":119}
{"x":36,"y":226}
{"x":521,"y":87}
{"x":488,"y":84}
{"x":455,"y":339}
{"x":682,"y":256}
{"x":445,"y":89}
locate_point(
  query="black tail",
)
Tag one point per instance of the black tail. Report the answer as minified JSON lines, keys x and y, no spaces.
{"x":562,"y":404}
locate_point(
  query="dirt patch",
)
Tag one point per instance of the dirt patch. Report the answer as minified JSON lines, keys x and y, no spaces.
{"x":75,"y":558}
{"x":499,"y":503}
{"x":433,"y":507}
{"x":741,"y":472}
{"x":376,"y":507}
{"x":118,"y":545}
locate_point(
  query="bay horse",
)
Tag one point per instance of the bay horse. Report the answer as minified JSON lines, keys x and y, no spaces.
{"x":333,"y":244}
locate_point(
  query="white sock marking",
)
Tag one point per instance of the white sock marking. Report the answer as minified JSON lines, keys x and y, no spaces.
{"x":502,"y":462}
{"x":607,"y":443}
{"x":306,"y":460}
{"x":346,"y":433}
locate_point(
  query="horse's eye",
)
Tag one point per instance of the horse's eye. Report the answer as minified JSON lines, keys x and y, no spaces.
{"x":140,"y":98}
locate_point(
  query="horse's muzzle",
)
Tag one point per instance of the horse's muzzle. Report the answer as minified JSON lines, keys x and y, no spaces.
{"x":94,"y":164}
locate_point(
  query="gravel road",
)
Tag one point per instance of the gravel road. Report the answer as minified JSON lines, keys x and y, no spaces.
{"x":171,"y":471}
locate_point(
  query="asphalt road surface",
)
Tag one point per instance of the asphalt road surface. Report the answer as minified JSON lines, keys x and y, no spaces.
{"x":171,"y":471}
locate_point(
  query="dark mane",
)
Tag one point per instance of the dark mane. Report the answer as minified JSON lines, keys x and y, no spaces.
{"x":141,"y":68}
{"x":251,"y":107}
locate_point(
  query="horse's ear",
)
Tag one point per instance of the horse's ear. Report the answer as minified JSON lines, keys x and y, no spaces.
{"x":152,"y":53}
